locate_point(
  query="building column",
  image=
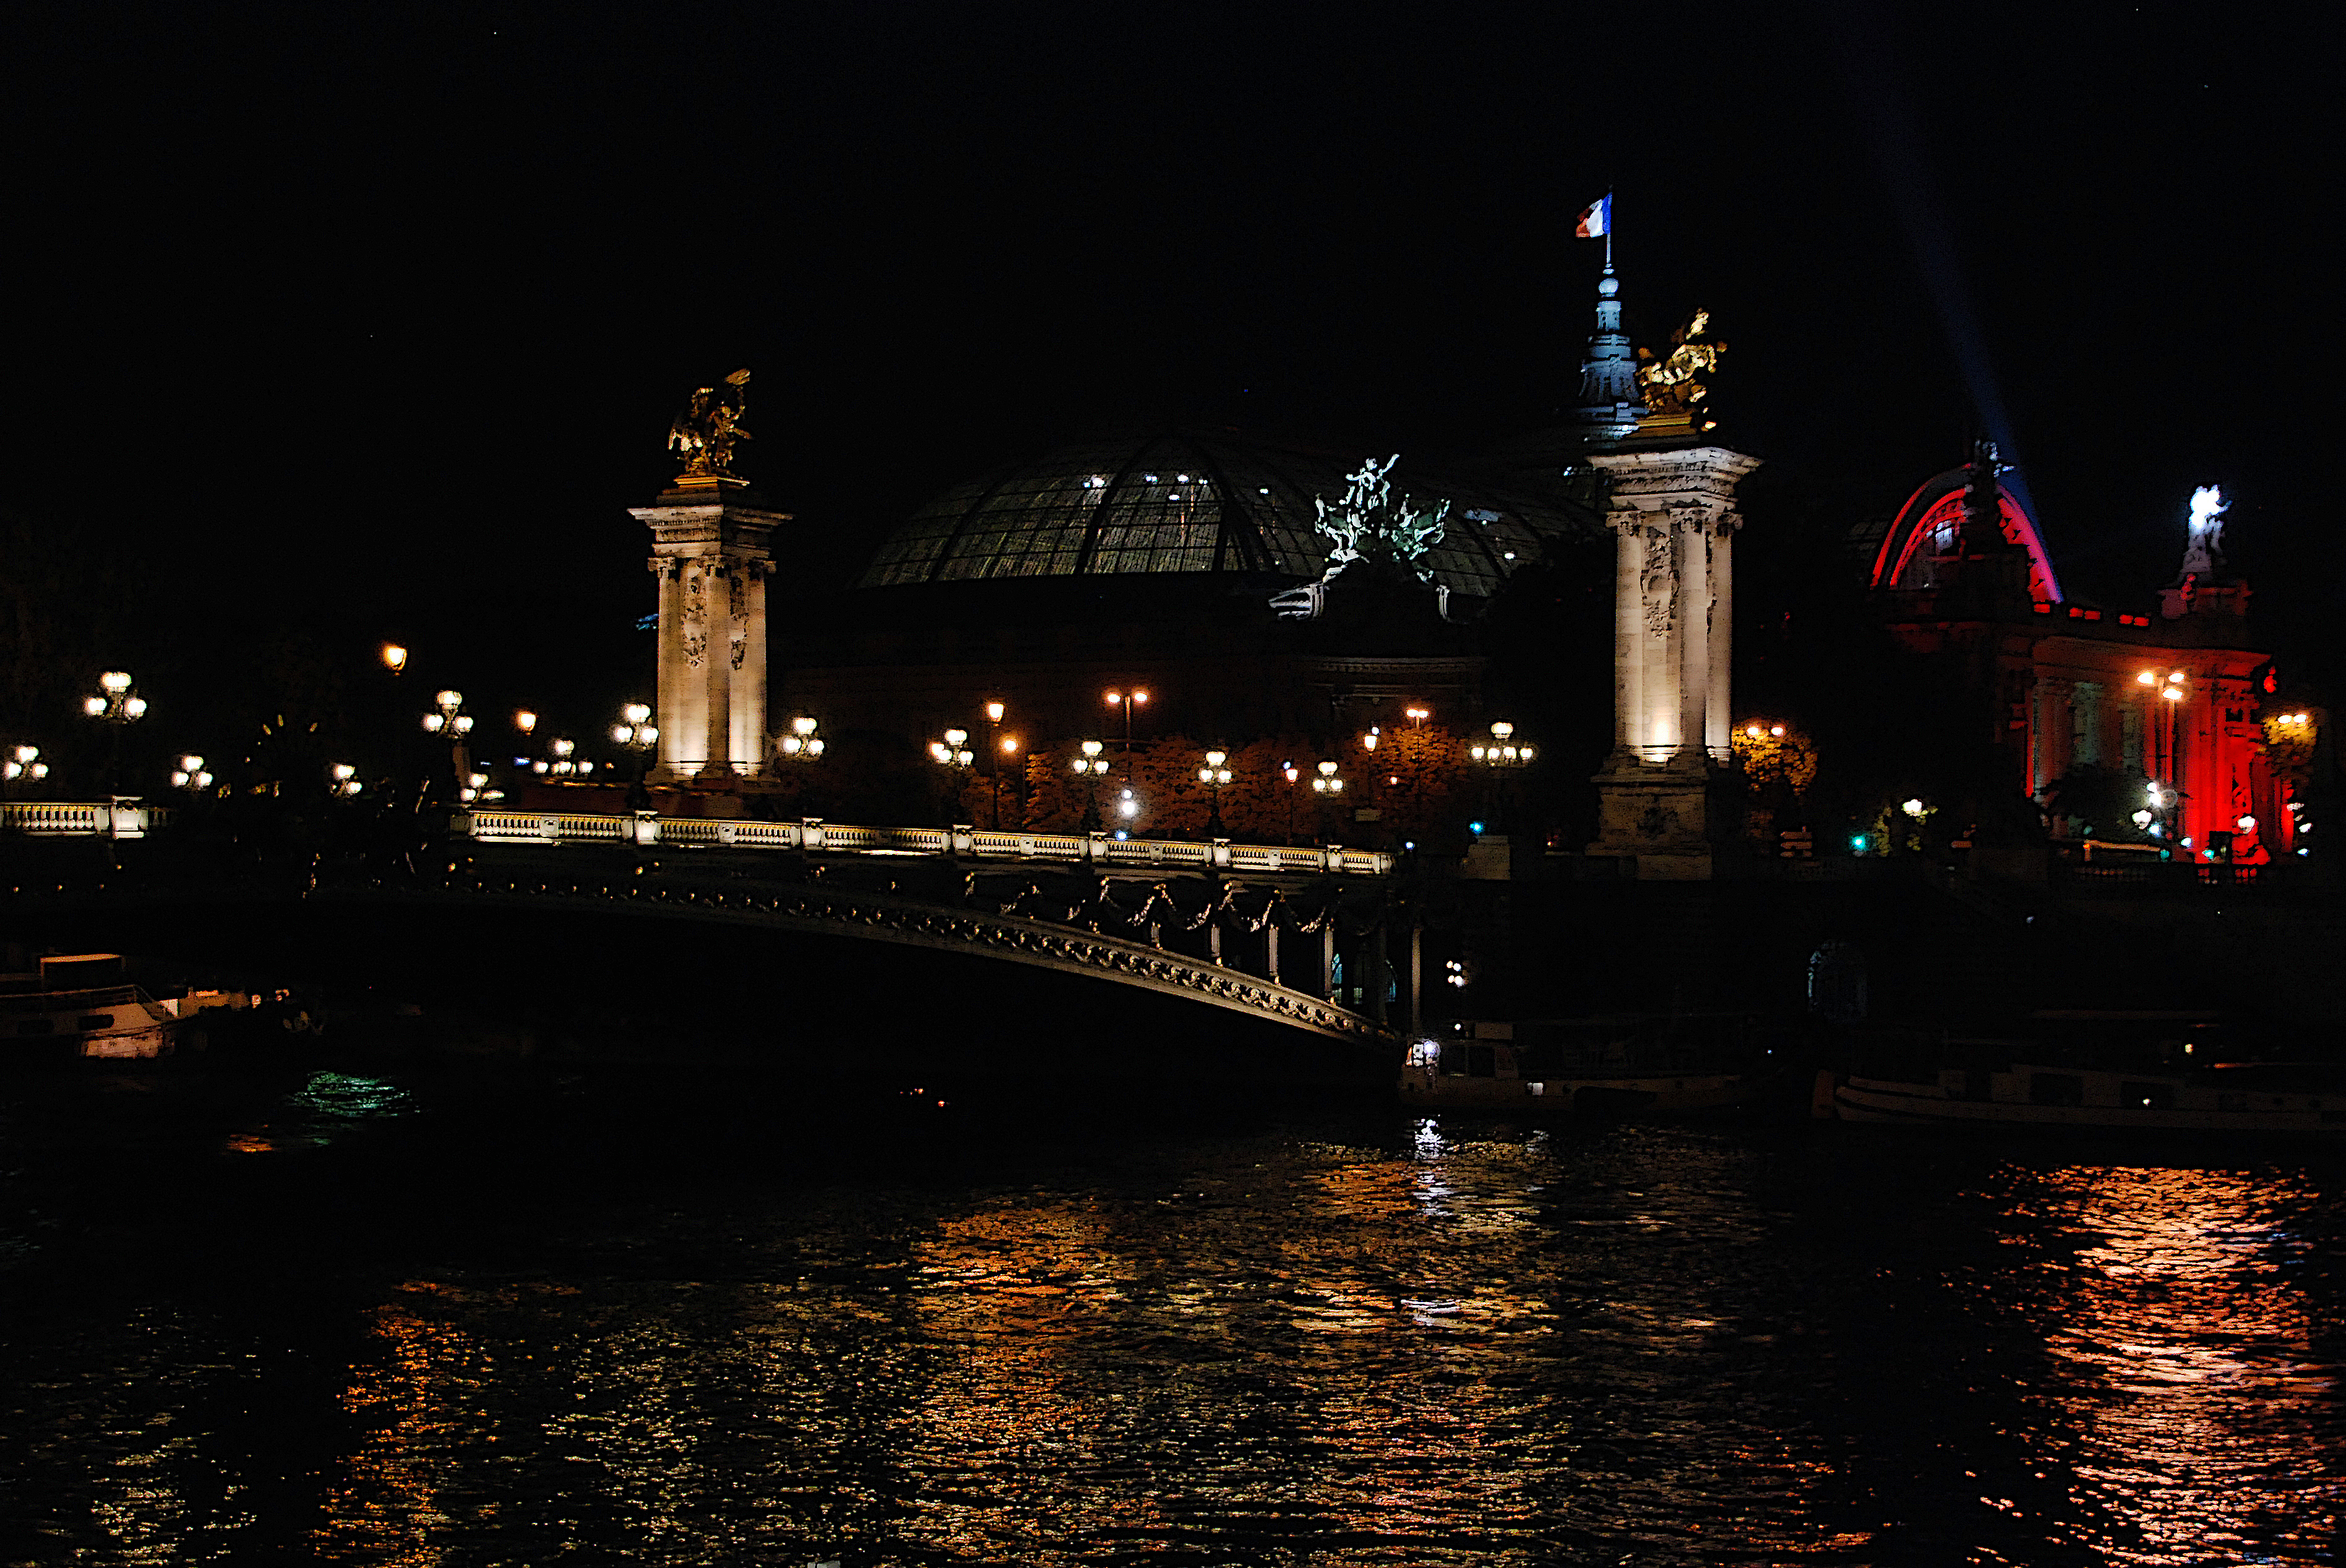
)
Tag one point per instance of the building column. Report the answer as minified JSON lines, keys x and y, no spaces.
{"x":749,"y":734}
{"x":1719,"y":712}
{"x":1629,"y":637}
{"x":1692,"y":552}
{"x":716,"y":670}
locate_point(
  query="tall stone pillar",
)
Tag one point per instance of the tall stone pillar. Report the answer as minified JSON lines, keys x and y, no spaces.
{"x":1674,"y":514}
{"x":709,"y":550}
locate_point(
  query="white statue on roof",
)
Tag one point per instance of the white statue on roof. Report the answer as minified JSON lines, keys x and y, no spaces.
{"x":2203,"y":554}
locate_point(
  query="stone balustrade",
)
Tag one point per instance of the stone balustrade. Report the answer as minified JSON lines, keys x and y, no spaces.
{"x":812,"y":835}
{"x":127,"y":818}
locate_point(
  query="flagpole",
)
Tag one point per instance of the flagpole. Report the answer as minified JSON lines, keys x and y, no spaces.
{"x":1609,"y":229}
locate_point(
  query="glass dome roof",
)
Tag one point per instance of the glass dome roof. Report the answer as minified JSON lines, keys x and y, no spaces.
{"x":1200,"y":501}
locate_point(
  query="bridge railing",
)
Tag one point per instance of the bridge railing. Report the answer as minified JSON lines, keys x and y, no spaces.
{"x":126,"y":819}
{"x":812,"y":835}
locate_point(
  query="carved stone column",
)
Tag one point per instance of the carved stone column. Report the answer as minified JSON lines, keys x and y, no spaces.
{"x":710,"y":549}
{"x":1674,"y":515}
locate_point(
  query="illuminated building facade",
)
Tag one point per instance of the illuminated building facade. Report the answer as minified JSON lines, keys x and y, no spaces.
{"x":2173,"y":690}
{"x":711,"y":555}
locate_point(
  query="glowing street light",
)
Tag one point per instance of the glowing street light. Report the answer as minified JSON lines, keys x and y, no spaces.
{"x":802,"y":744}
{"x":1417,"y":716}
{"x":394,"y":658}
{"x":24,"y":762}
{"x":1214,"y":776}
{"x":953,"y":754}
{"x":342,"y":779}
{"x":189,"y":775}
{"x":119,"y":707}
{"x":1136,"y":698}
{"x":525,"y":720}
{"x":638,"y":734}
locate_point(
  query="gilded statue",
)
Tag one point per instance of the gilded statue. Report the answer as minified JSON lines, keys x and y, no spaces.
{"x":708,"y":428}
{"x":1673,"y":385}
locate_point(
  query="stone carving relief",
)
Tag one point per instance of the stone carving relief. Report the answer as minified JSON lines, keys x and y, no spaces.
{"x":696,"y":649}
{"x":1657,"y":580}
{"x":696,"y":603}
{"x":738,"y":593}
{"x":740,"y":649}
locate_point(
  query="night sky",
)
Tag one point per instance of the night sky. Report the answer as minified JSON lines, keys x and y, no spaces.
{"x":370,"y":318}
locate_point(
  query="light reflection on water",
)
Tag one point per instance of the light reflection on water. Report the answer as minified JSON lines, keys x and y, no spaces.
{"x":1377,"y":1342}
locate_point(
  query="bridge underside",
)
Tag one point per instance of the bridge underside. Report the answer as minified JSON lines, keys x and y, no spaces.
{"x":835,"y":978}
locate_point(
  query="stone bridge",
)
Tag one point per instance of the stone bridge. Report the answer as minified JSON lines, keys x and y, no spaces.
{"x":1273,"y":928}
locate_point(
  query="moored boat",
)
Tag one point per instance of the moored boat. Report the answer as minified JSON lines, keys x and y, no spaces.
{"x":82,"y":1005}
{"x":2082,"y":1072}
{"x":1620,"y":1064}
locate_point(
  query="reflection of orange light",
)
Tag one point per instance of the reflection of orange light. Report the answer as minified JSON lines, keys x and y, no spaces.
{"x":2178,"y":1352}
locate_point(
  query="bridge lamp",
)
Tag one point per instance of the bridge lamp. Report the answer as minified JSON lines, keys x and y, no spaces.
{"x":1213,"y":775}
{"x":525,"y":720}
{"x":189,"y":775}
{"x":117,"y":707}
{"x":1128,"y":805}
{"x":1091,"y":761}
{"x":25,"y":762}
{"x":1369,"y":741}
{"x":802,"y":743}
{"x":561,"y":751}
{"x":341,"y":779}
{"x":1914,"y":808}
{"x":1327,"y":783}
{"x":1417,"y":716}
{"x":394,"y":658}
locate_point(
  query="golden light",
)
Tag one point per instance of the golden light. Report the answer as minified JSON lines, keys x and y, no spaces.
{"x":802,"y":725}
{"x":1752,"y":731}
{"x":448,"y":700}
{"x":1114,"y":698}
{"x":394,"y":658}
{"x":1502,"y":729}
{"x":1140,"y":697}
{"x":2146,"y":678}
{"x":92,"y":706}
{"x":956,"y":738}
{"x":2175,"y":677}
{"x":1216,"y":758}
{"x":1327,"y":770}
{"x":635,"y":712}
{"x":563,"y":747}
{"x":994,"y":713}
{"x":525,"y":720}
{"x":1010,"y":744}
{"x":114,"y":681}
{"x":2172,"y":693}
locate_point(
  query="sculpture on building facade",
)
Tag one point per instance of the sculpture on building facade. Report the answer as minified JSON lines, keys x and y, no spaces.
{"x":708,"y":428}
{"x":2203,"y":551}
{"x":1371,"y":533}
{"x":1674,"y":385}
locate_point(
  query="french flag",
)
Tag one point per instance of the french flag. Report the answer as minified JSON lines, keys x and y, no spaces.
{"x":1595,"y":220}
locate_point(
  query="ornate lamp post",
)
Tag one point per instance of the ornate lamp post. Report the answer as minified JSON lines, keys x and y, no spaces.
{"x":448,"y":718}
{"x":24,"y":762}
{"x":118,"y":706}
{"x":802,"y":744}
{"x":1090,"y":766}
{"x":1502,"y":755}
{"x":954,"y":755}
{"x":342,"y":780}
{"x":189,"y":775}
{"x":638,"y":734}
{"x":1328,"y":787}
{"x":1213,"y":776}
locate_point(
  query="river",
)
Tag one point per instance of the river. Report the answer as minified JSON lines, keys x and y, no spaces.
{"x":520,"y":1316}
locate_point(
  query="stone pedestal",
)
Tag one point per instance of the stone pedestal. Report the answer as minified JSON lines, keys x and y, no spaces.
{"x":709,"y":553}
{"x":1673,"y":516}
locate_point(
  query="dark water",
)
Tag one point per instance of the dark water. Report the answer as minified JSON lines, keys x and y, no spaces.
{"x":517,"y":1318}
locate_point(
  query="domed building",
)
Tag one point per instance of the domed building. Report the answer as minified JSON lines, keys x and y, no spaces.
{"x":1151,"y":560}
